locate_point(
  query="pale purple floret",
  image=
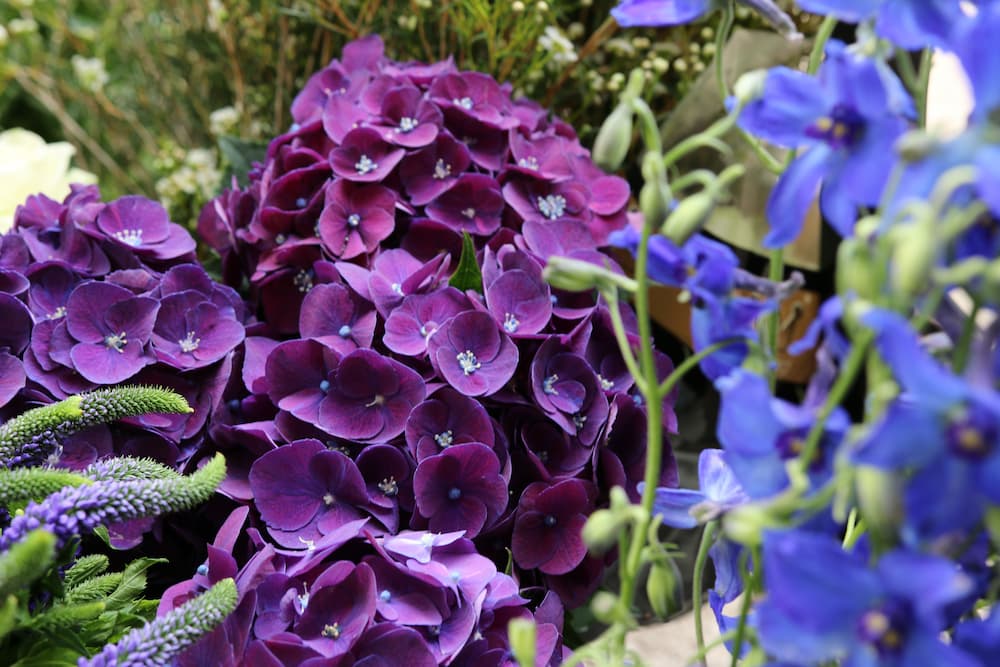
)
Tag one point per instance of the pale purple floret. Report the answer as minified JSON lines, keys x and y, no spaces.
{"x":472,"y":354}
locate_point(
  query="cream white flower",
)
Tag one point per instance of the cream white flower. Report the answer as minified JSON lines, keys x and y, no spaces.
{"x":555,"y":42}
{"x":28,"y":166}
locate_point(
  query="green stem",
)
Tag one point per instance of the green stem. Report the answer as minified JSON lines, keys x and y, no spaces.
{"x":696,"y":593}
{"x":965,"y":339}
{"x":694,"y":142}
{"x":741,"y":626}
{"x":923,"y":79}
{"x":851,"y":367}
{"x":819,"y":44}
{"x":721,"y":37}
{"x":623,"y":346}
{"x":702,"y":653}
{"x":775,"y":273}
{"x":852,"y":520}
{"x":671,"y":381}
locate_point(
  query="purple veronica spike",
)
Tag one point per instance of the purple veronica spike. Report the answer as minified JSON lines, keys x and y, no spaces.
{"x":338,"y":318}
{"x":447,"y":418}
{"x":304,"y":491}
{"x":111,"y":328}
{"x":356,"y":218}
{"x":364,"y":157}
{"x":548,"y":525}
{"x":429,"y":172}
{"x":143,"y":226}
{"x":408,"y":119}
{"x":370,"y":397}
{"x":460,"y":489}
{"x":191,"y":332}
{"x":411,"y":323}
{"x":472,"y":354}
{"x":473,"y":204}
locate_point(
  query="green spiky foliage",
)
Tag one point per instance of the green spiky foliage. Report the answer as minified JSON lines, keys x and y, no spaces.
{"x":55,"y":608}
{"x":161,"y":641}
{"x":31,"y":438}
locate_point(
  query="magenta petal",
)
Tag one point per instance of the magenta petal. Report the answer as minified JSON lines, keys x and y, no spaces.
{"x":102,"y":364}
{"x":12,"y":377}
{"x":86,"y":307}
{"x":285,"y":494}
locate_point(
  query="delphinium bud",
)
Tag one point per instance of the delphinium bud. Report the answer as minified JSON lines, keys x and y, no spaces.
{"x":577,"y":275}
{"x":160,"y":641}
{"x":30,"y":438}
{"x":613,"y":139}
{"x":73,"y":511}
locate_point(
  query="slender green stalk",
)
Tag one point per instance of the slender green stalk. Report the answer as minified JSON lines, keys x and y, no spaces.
{"x":923,"y":81}
{"x":706,"y":138}
{"x":696,"y":593}
{"x":849,"y":371}
{"x":721,"y":37}
{"x":748,"y":590}
{"x":699,"y":656}
{"x":622,"y":337}
{"x":961,"y":358}
{"x":819,"y":44}
{"x":681,"y":370}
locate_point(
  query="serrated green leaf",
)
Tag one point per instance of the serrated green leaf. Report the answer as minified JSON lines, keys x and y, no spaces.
{"x":94,"y":588}
{"x":468,"y":274}
{"x":240,"y":156}
{"x":85,"y":568}
{"x":133,"y":583}
{"x":45,"y":655}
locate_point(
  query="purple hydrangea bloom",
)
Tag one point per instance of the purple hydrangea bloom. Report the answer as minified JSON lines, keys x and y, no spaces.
{"x":548,"y":525}
{"x":473,"y":204}
{"x":110,"y":330}
{"x":341,"y":606}
{"x":364,"y":157}
{"x":192,"y":332}
{"x":566,"y":388}
{"x":298,"y":375}
{"x":408,"y":119}
{"x":472,"y":354}
{"x":143,"y":226}
{"x":369,"y":397}
{"x":337,"y":317}
{"x":429,"y":172}
{"x":414,"y":321}
{"x":460,"y":489}
{"x":356,"y":218}
{"x":447,"y":418}
{"x":304,"y":491}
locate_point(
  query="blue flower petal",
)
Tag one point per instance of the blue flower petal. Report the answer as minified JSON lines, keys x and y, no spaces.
{"x":928,"y":583}
{"x":794,"y":194}
{"x":790,"y":103}
{"x":782,"y":635}
{"x":655,"y":13}
{"x":942,"y":498}
{"x":908,"y":435}
{"x":975,"y":44}
{"x":674,"y":505}
{"x":717,"y":481}
{"x":851,"y":11}
{"x":915,"y":24}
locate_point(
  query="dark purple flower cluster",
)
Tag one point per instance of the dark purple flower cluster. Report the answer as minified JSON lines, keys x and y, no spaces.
{"x":385,"y":388}
{"x":95,"y":294}
{"x":415,"y":598}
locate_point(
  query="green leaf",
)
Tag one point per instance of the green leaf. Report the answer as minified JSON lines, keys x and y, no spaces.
{"x":240,"y":156}
{"x":8,"y":615}
{"x":46,"y":655}
{"x":467,"y":275}
{"x":133,"y":583}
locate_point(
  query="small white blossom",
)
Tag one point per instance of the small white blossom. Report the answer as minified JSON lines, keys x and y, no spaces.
{"x":223,"y":121}
{"x":555,"y":42}
{"x":90,"y":72}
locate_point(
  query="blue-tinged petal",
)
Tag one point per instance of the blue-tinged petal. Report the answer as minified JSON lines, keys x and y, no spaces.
{"x":790,"y":103}
{"x":783,"y":635}
{"x":908,"y":435}
{"x":915,"y":24}
{"x":761,"y":475}
{"x":988,"y":477}
{"x":674,"y":505}
{"x":794,"y":194}
{"x":928,"y":583}
{"x":746,"y":422}
{"x":811,"y":579}
{"x":719,"y":319}
{"x":654,"y":13}
{"x":942,"y":498}
{"x":853,"y":80}
{"x":838,"y":206}
{"x":980,"y":637}
{"x":851,"y":11}
{"x":863,"y":655}
{"x":717,"y":480}
{"x":926,"y":650}
{"x":917,"y":371}
{"x":725,"y":556}
{"x":974,"y":42}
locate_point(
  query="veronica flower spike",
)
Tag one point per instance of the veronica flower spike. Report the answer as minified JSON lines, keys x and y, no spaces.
{"x":844,"y":122}
{"x":658,"y":13}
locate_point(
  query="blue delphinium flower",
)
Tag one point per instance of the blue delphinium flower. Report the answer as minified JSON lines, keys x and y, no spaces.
{"x":760,"y":432}
{"x":824,"y":604}
{"x":657,"y":13}
{"x":845,"y":121}
{"x":720,"y":491}
{"x":942,"y":427}
{"x":912,"y":24}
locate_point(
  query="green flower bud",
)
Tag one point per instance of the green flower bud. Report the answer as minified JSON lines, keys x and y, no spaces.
{"x":688,"y":216}
{"x":523,"y":634}
{"x":880,"y":499}
{"x":750,"y":86}
{"x":661,"y":589}
{"x":601,"y":531}
{"x":577,"y":275}
{"x":613,"y":139}
{"x":654,"y":202}
{"x":855,"y":269}
{"x":990,"y":284}
{"x":915,"y":248}
{"x":26,"y":561}
{"x":746,"y":524}
{"x":916,"y":145}
{"x":604,"y":606}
